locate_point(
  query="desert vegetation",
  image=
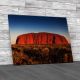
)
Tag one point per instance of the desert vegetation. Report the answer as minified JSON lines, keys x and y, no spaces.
{"x":41,"y":54}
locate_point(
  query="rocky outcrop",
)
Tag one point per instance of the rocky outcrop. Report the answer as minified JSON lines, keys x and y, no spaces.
{"x":41,"y":38}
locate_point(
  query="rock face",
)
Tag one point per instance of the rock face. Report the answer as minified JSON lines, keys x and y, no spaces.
{"x":41,"y":38}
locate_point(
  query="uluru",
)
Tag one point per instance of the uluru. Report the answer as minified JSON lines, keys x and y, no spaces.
{"x":41,"y":48}
{"x":41,"y":38}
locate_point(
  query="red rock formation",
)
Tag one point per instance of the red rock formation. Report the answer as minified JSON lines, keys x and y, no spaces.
{"x":41,"y":38}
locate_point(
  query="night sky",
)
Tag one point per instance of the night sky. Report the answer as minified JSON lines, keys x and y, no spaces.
{"x":26,"y":24}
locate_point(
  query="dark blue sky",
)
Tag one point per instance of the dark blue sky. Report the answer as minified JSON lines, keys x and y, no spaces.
{"x":27,"y":24}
